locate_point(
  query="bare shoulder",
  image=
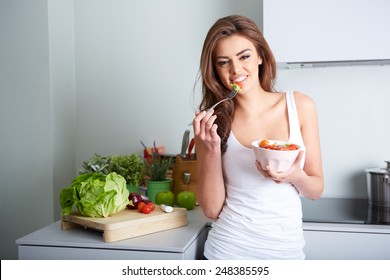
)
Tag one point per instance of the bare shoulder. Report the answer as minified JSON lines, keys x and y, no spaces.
{"x":306,"y":107}
{"x":303,"y":100}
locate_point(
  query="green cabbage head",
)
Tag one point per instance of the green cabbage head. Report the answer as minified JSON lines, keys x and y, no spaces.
{"x":95,"y":195}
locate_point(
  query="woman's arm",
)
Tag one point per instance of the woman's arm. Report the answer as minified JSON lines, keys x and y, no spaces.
{"x":310,"y":180}
{"x":210,"y":184}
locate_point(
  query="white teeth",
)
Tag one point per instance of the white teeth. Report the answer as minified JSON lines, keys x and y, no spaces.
{"x":239,"y":79}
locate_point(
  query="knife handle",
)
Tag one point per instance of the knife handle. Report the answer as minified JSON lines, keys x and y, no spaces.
{"x":185,"y":141}
{"x":191,"y":146}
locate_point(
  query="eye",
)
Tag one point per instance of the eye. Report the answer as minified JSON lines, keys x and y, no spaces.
{"x":245,"y":56}
{"x":222,"y":63}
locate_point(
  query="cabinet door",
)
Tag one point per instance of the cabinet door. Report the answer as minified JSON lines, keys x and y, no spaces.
{"x":323,"y":31}
{"x":330,"y":245}
{"x":69,"y":253}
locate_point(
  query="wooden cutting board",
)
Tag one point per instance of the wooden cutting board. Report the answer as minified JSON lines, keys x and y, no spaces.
{"x":128,"y":223}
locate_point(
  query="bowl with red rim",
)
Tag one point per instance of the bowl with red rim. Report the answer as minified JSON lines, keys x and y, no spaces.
{"x":278,"y":155}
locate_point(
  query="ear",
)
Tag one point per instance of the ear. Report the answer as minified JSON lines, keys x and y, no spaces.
{"x":260,"y":60}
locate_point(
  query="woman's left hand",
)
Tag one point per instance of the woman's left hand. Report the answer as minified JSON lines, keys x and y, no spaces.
{"x":288,"y":176}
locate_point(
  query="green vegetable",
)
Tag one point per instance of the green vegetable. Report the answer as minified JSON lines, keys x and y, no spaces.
{"x":97,"y":163}
{"x":131,"y":167}
{"x":95,"y":195}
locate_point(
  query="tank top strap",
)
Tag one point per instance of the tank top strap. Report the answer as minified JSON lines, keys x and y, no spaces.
{"x":295,"y":129}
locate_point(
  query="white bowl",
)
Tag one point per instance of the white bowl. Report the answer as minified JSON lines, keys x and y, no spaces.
{"x":275,"y":159}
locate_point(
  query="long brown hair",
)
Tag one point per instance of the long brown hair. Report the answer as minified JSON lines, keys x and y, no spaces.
{"x":212,"y":87}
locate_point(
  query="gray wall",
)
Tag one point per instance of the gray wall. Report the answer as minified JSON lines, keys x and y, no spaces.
{"x":26,"y":154}
{"x":354,"y":116}
{"x":79,"y":77}
{"x":98,"y":76}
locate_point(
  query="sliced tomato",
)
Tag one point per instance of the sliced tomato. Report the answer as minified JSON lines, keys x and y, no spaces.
{"x":239,"y":84}
{"x":292,"y":147}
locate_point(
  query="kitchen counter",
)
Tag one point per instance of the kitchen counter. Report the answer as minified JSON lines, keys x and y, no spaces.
{"x":51,"y":242}
{"x":325,"y":239}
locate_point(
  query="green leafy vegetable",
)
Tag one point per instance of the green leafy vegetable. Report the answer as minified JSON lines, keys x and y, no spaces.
{"x":131,"y":167}
{"x":95,"y":195}
{"x":97,"y":163}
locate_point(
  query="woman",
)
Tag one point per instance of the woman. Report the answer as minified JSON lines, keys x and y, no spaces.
{"x":257,"y":213}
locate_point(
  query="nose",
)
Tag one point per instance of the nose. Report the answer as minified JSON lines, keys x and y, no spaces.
{"x":235,"y":67}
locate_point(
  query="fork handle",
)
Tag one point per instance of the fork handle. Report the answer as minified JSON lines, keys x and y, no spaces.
{"x":215,"y":105}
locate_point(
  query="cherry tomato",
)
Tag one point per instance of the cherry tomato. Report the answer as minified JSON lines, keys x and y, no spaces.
{"x":140,"y":206}
{"x":151,"y":204}
{"x":147,"y":209}
{"x":264,"y":144}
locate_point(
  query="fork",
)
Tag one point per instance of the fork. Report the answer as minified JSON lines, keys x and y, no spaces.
{"x":231,"y":95}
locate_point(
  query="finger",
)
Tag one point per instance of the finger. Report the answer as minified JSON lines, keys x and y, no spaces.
{"x":213,"y":131}
{"x":206,"y":118}
{"x":207,"y":126}
{"x":199,"y":116}
{"x":210,"y":122}
{"x":274,"y":174}
{"x":261,"y":170}
{"x":196,"y":123}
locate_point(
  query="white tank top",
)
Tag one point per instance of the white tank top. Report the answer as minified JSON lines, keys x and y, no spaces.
{"x":260,"y":219}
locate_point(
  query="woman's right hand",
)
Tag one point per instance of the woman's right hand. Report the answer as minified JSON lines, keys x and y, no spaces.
{"x":205,"y":131}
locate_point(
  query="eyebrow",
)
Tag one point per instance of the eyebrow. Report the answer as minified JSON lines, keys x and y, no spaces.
{"x":237,"y":54}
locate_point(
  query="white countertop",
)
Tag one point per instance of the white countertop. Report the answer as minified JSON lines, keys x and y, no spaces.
{"x":173,"y":240}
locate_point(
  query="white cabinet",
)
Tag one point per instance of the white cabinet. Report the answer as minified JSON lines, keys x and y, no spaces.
{"x":346,"y":242}
{"x":301,"y":31}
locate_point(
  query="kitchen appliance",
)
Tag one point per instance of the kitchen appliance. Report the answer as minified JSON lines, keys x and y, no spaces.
{"x":378,"y":186}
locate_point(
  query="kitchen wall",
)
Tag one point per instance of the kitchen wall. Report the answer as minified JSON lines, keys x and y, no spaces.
{"x":354,"y":121}
{"x":26,"y":155}
{"x":98,"y":76}
{"x":136,"y":66}
{"x":84,"y":77}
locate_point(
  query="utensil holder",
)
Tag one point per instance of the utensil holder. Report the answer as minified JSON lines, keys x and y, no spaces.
{"x":181,"y":166}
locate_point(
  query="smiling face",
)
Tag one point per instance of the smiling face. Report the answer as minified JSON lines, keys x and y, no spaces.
{"x":236,"y":60}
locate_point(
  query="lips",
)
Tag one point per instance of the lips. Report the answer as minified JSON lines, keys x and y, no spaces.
{"x":239,"y":79}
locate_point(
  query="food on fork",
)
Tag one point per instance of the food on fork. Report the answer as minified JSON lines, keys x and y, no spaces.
{"x":237,"y":86}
